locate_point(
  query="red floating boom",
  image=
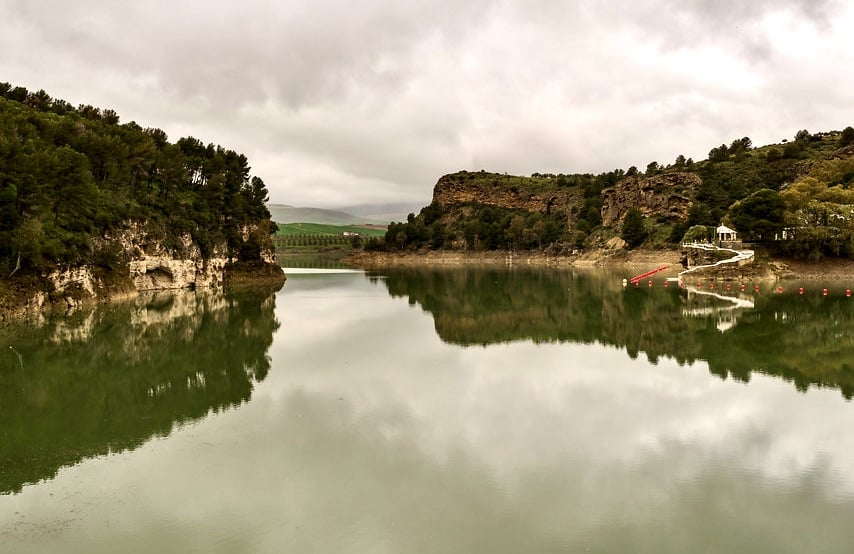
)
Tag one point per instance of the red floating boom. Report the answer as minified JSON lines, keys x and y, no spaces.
{"x":637,"y":278}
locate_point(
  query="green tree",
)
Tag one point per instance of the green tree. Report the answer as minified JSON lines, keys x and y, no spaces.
{"x":437,"y":235}
{"x":847,"y":136}
{"x":803,"y":134}
{"x":698,"y":233}
{"x":759,"y":216}
{"x":633,"y":230}
{"x":773,"y":155}
{"x":740,"y":145}
{"x":719,"y":154}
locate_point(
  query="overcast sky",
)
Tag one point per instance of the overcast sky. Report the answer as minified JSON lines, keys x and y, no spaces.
{"x":344,"y":102}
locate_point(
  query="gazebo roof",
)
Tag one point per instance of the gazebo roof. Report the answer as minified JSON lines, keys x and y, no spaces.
{"x":723,"y":229}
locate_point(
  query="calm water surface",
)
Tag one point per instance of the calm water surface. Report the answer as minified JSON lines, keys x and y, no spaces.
{"x":433,"y":411}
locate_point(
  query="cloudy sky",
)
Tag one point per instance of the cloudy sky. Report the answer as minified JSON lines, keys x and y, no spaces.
{"x":338,"y":102}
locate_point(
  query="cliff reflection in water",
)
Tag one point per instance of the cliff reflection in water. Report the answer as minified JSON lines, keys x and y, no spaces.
{"x":807,"y":340}
{"x":110,"y":378}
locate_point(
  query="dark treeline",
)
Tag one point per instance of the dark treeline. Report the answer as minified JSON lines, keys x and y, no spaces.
{"x":70,"y":174}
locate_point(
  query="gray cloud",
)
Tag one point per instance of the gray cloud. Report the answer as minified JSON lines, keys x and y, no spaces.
{"x":337,"y":103}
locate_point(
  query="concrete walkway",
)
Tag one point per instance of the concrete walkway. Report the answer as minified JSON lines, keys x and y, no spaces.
{"x":739,"y":256}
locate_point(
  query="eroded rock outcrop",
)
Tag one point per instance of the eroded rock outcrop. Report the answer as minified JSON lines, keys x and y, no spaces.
{"x":669,"y":195}
{"x":498,"y":190}
{"x":141,"y":262}
{"x":153,"y":265}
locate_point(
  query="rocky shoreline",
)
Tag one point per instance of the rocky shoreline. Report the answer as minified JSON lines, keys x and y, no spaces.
{"x":630,"y":260}
{"x":80,"y":287}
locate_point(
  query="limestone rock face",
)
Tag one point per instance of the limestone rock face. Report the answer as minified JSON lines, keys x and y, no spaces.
{"x":164,"y":272}
{"x":154,"y":266}
{"x":131,"y":260}
{"x":151,"y":265}
{"x":668,"y":195}
{"x":454,"y":189}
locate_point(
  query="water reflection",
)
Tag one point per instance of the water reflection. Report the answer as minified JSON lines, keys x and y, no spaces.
{"x":370,"y":434}
{"x":109,"y":378}
{"x":806,"y":339}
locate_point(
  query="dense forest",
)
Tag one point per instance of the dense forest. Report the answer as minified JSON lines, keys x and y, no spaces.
{"x":70,"y":174}
{"x":795,"y":197}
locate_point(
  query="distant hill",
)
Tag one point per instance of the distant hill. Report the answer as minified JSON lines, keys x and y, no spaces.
{"x":384,"y":213}
{"x":281,"y":213}
{"x":359,"y":214}
{"x":801,"y":189}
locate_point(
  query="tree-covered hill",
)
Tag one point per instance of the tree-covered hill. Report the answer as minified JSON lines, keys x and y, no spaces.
{"x":70,"y":174}
{"x":797,"y":195}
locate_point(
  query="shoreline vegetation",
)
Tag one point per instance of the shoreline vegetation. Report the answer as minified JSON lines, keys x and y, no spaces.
{"x":793,"y":201}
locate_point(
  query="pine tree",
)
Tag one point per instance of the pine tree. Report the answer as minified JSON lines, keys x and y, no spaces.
{"x":633,"y":231}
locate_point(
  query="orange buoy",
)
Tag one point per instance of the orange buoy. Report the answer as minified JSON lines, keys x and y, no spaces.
{"x":649,"y":283}
{"x":801,"y":290}
{"x":666,"y":284}
{"x":780,"y":289}
{"x":728,"y":286}
{"x":848,"y":292}
{"x":743,"y":286}
{"x":824,"y":292}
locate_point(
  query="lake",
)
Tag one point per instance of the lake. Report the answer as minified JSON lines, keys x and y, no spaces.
{"x":434,"y":410}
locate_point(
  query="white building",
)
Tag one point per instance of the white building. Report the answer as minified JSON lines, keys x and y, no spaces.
{"x":725,"y":234}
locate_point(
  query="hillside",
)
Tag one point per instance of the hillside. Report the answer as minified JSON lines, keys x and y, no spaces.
{"x":289,"y":214}
{"x":798,"y":189}
{"x":383,"y":213}
{"x":89,"y":205}
{"x":362,"y":214}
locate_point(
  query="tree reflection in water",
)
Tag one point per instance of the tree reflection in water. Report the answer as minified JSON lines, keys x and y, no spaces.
{"x":109,"y":378}
{"x":805,"y":339}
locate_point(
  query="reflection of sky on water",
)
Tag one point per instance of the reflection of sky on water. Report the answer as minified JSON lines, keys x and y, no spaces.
{"x":510,"y":402}
{"x":372,"y":435}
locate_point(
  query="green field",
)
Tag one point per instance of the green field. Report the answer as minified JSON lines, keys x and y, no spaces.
{"x":319,"y":240}
{"x":290,"y":229}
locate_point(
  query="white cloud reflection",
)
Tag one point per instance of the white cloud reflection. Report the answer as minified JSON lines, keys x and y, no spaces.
{"x":371,"y":435}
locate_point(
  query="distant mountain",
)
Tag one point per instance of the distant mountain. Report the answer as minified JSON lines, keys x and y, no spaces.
{"x":358,"y":214}
{"x":281,"y":213}
{"x":385,"y":213}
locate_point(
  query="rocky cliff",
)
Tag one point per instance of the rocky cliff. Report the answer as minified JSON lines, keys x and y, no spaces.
{"x":503,"y":191}
{"x":154,"y":266}
{"x":139,"y":262}
{"x":668,"y":195}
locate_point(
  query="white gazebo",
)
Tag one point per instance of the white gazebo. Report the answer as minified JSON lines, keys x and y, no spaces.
{"x":725,"y":234}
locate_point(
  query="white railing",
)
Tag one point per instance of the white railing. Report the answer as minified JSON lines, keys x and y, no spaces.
{"x":738,"y":255}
